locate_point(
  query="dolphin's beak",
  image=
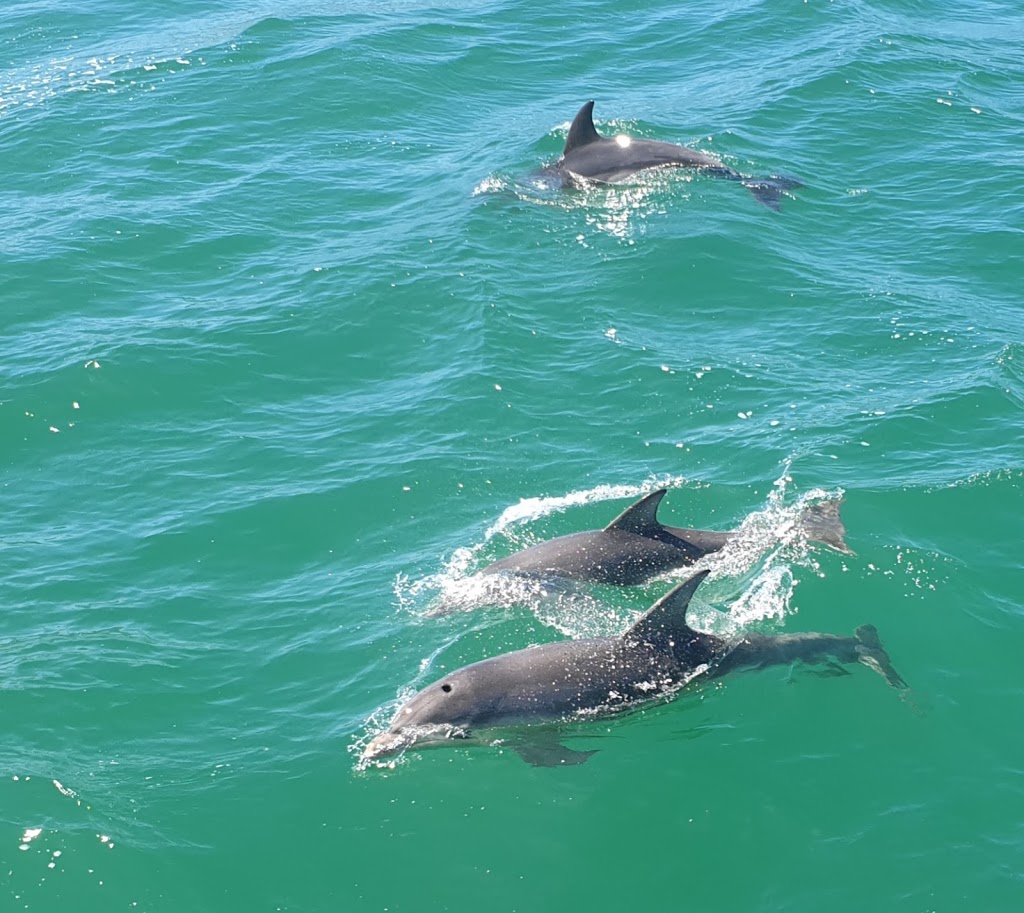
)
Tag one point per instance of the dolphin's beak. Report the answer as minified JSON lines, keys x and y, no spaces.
{"x":383,"y":744}
{"x":392,"y":741}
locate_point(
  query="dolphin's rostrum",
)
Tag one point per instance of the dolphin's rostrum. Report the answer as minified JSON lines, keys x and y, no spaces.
{"x":577,"y":679}
{"x":635,"y":547}
{"x":611,"y":160}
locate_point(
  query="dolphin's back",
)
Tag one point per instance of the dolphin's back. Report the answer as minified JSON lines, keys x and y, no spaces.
{"x":706,"y":540}
{"x":600,"y":556}
{"x":631,"y":549}
{"x":614,"y":160}
{"x":559,"y":680}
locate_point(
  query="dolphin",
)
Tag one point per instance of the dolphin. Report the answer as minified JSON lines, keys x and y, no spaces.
{"x":588,"y":157}
{"x":635,"y":547}
{"x":580,"y":679}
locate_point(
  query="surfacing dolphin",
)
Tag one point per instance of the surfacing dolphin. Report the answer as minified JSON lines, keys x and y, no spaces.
{"x":580,"y":679}
{"x":635,"y":547}
{"x":612,"y":160}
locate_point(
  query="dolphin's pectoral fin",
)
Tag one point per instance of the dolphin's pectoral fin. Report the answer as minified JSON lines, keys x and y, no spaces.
{"x":547,"y":751}
{"x":770,"y":190}
{"x":551,"y":755}
{"x":831,"y":669}
{"x":871,"y":652}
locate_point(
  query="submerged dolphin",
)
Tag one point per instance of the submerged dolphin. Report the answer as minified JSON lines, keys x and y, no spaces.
{"x":635,"y":547}
{"x":611,"y":160}
{"x":573,"y":679}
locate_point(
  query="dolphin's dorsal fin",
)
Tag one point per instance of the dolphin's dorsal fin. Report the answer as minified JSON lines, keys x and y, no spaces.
{"x":641,"y":518}
{"x":667,"y":617}
{"x":582,"y":130}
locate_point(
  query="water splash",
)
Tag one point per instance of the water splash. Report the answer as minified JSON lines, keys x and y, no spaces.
{"x":758,"y":561}
{"x":616,"y":210}
{"x":379,"y":721}
{"x":531,"y":509}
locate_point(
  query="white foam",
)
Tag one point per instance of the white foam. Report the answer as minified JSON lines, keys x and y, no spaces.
{"x":531,"y":509}
{"x":491,"y":184}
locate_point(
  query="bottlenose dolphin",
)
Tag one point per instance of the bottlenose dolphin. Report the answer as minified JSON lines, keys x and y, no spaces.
{"x":574,"y":679}
{"x":611,"y":160}
{"x":635,"y":547}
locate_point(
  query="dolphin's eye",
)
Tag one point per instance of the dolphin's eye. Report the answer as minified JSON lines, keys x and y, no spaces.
{"x":446,"y":688}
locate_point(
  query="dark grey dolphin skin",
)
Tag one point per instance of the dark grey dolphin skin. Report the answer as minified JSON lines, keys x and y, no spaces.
{"x":635,"y":547}
{"x":611,"y":160}
{"x":576,"y":679}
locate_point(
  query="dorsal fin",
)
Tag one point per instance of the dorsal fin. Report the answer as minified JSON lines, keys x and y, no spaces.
{"x":582,"y":130}
{"x":667,"y":617}
{"x":641,"y":518}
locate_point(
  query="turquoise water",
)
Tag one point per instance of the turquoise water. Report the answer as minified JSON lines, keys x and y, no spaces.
{"x":292,"y":342}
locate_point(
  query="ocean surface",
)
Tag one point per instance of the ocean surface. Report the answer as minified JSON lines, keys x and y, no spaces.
{"x":293,"y":341}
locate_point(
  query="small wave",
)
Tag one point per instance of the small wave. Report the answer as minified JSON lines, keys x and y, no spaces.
{"x":134,"y":59}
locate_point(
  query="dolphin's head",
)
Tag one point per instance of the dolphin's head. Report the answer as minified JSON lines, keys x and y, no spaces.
{"x":440,"y":712}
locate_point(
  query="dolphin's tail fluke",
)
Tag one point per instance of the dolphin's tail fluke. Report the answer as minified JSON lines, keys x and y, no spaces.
{"x":771,"y":189}
{"x":871,"y":652}
{"x":822,"y":523}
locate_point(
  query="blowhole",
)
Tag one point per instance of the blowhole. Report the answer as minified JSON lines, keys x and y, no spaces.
{"x":446,"y":688}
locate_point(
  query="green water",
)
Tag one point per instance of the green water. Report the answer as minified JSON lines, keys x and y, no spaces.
{"x":292,"y":342}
